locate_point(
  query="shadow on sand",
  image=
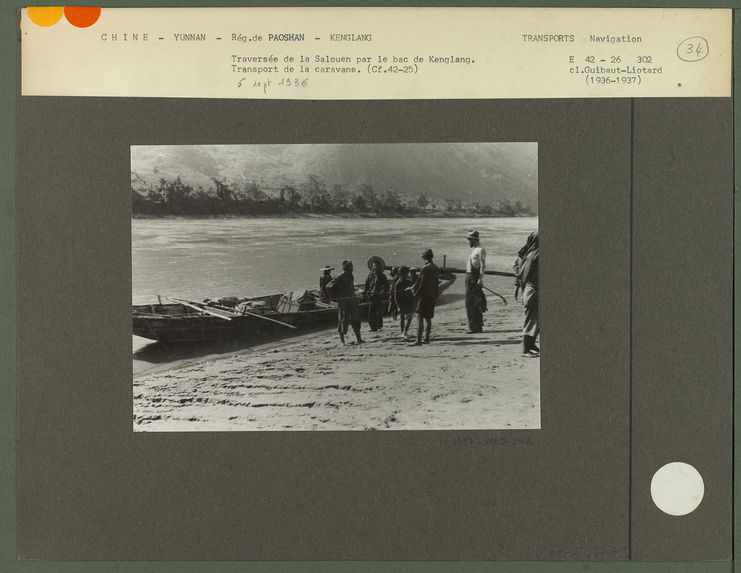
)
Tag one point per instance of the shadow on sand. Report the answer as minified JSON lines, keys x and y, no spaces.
{"x":160,"y":352}
{"x":468,"y":340}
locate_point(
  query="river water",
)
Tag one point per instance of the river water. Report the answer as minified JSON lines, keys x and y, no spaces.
{"x":207,"y":258}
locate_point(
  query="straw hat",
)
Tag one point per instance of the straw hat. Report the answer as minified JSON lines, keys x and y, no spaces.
{"x":376,"y":259}
{"x":473,"y":235}
{"x":326,"y":268}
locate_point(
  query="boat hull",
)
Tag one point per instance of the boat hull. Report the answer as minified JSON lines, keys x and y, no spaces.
{"x":176,"y":323}
{"x":184,"y":323}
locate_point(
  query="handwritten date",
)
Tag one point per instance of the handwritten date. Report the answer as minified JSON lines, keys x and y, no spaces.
{"x":266,"y":85}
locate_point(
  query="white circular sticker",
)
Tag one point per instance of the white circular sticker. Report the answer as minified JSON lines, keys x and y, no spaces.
{"x":677,"y":488}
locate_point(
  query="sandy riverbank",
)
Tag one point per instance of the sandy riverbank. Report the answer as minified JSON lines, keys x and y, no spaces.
{"x":311,"y":382}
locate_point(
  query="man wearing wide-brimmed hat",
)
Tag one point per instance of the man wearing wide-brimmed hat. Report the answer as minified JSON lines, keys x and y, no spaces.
{"x":475,"y":298}
{"x":324,"y":281}
{"x":376,"y":289}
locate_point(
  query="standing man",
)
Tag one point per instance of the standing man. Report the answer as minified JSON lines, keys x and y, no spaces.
{"x":425,"y":292}
{"x":376,"y":289}
{"x":475,"y":298}
{"x":393,"y":308}
{"x":529,"y":280}
{"x":324,"y":281}
{"x":342,"y":289}
{"x":403,"y":299}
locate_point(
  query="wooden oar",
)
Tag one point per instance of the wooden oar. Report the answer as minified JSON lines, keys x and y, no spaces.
{"x":462,"y":271}
{"x":199,"y":307}
{"x":204,"y":308}
{"x":271,"y":320}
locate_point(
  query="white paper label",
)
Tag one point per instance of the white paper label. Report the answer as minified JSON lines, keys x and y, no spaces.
{"x":378,"y":53}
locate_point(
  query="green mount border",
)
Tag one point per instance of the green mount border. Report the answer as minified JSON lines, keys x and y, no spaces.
{"x":10,"y":67}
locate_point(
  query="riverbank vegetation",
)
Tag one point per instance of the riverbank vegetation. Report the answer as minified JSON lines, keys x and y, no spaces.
{"x":313,"y":196}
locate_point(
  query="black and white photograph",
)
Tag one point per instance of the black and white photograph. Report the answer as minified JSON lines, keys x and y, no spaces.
{"x":273,"y":282}
{"x":335,"y":287}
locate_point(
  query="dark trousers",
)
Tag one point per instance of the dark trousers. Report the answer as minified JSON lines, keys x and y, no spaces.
{"x":423,"y":327}
{"x":375,"y":312}
{"x":475,"y":302}
{"x":349,"y":314}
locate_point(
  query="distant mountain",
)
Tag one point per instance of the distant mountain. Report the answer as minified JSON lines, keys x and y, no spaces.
{"x":485,"y":172}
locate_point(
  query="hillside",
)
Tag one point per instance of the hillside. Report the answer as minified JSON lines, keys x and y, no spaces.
{"x":471,"y":172}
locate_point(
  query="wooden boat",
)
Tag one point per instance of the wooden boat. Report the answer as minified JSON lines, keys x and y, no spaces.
{"x":232,"y":317}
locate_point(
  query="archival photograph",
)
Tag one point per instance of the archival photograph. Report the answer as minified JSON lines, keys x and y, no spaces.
{"x":335,"y":287}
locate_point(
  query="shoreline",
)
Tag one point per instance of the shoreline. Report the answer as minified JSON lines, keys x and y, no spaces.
{"x":311,"y":382}
{"x":332,"y":216}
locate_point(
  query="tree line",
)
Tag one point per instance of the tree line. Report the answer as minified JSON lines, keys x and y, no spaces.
{"x":173,"y":197}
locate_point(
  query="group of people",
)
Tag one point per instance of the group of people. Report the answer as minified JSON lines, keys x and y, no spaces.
{"x":409,"y":292}
{"x":526,"y":281}
{"x":401,"y":296}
